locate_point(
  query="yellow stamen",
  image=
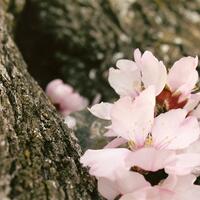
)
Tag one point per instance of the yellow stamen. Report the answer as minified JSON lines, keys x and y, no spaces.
{"x":131,"y":144}
{"x":148,"y":141}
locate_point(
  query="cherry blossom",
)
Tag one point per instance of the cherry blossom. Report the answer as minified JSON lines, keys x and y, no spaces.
{"x":64,"y":98}
{"x":154,"y":127}
{"x":106,"y":162}
{"x":133,"y":122}
{"x":172,"y":89}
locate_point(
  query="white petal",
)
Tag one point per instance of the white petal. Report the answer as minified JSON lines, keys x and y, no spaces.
{"x":166,"y":125}
{"x":131,"y":181}
{"x":185,"y":189}
{"x":172,"y":131}
{"x":126,"y":82}
{"x":183,"y":164}
{"x":108,"y":188}
{"x":110,"y":133}
{"x":150,"y":159}
{"x":153,"y":72}
{"x":181,"y":73}
{"x":116,"y":142}
{"x":126,"y":182}
{"x":196,"y":112}
{"x":105,"y":162}
{"x":140,"y":195}
{"x":193,"y":101}
{"x":137,"y":57}
{"x":187,"y":134}
{"x":125,"y":64}
{"x":101,"y":110}
{"x":194,"y":147}
{"x":132,"y":120}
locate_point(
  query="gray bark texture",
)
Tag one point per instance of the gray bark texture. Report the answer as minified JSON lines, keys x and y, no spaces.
{"x":39,"y":155}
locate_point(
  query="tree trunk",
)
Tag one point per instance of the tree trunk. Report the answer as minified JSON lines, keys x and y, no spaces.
{"x":39,"y":156}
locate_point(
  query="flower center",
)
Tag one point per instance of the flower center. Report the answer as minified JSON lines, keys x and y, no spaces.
{"x":168,"y":100}
{"x":148,"y":142}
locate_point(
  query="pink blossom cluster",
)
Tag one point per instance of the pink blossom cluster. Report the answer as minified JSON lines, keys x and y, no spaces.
{"x":154,"y":129}
{"x":66,"y":100}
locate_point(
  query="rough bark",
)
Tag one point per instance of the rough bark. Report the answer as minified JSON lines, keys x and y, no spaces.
{"x":78,"y":40}
{"x":39,"y":156}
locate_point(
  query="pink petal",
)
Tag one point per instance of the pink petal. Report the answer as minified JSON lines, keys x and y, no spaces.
{"x":105,"y":162}
{"x":126,"y":80}
{"x":186,"y":88}
{"x":193,"y":148}
{"x":101,"y":110}
{"x":73,"y":102}
{"x":110,"y":133}
{"x":126,"y":182}
{"x":156,"y":159}
{"x":52,"y":86}
{"x":57,"y":92}
{"x":193,"y":101}
{"x":183,"y":187}
{"x":137,"y":57}
{"x":134,"y":196}
{"x":131,"y":181}
{"x":172,"y":131}
{"x":170,"y":182}
{"x":125,"y":64}
{"x":173,"y":188}
{"x":192,"y":193}
{"x":178,"y":183}
{"x":108,"y":188}
{"x":182,"y":72}
{"x":188,"y":133}
{"x":157,"y":193}
{"x":116,"y":142}
{"x":184,"y":182}
{"x":149,"y":193}
{"x":196,"y":112}
{"x":63,"y":95}
{"x":183,"y":164}
{"x":165,"y":127}
{"x":153,"y":72}
{"x":132,"y":120}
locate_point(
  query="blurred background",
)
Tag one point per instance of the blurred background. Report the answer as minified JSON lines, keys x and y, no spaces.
{"x":78,"y":40}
